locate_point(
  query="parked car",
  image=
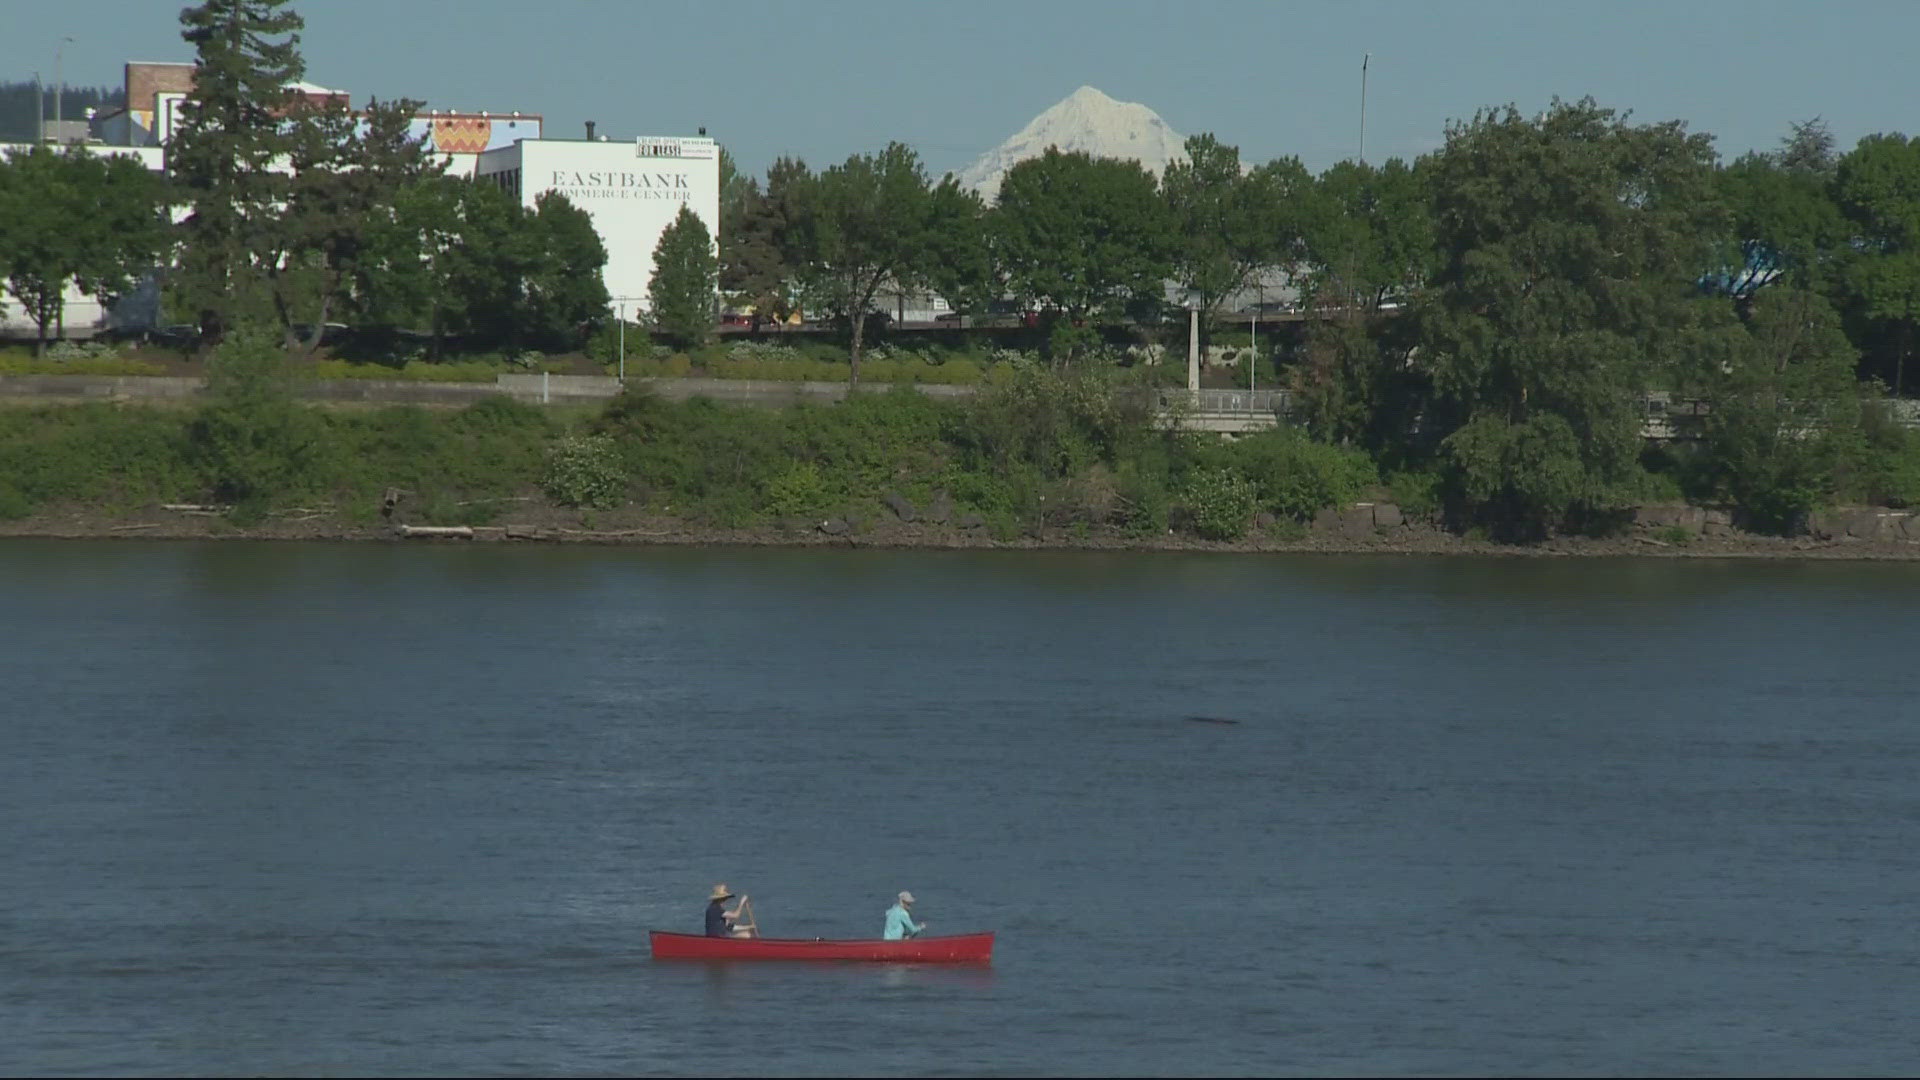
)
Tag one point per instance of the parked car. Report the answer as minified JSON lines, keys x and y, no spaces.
{"x":734,"y":318}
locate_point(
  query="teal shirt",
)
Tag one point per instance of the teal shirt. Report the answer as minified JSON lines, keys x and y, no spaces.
{"x":900,"y":924}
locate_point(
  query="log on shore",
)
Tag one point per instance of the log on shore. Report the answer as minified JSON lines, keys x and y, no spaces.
{"x":464,"y":531}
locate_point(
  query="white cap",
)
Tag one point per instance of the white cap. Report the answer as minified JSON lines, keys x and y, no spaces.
{"x":906,"y":898}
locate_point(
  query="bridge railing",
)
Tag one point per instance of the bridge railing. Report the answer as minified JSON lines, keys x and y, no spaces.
{"x":1277,"y":402}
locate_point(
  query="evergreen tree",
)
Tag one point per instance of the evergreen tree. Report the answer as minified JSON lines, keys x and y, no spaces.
{"x":685,"y":275}
{"x":221,"y":159}
{"x":753,"y":225}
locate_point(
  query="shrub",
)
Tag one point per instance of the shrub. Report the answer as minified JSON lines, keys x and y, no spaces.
{"x":259,"y":451}
{"x":83,"y":350}
{"x":411,"y":371}
{"x":13,"y":504}
{"x":1144,"y":503}
{"x":1296,"y":477}
{"x":584,"y":471}
{"x":605,"y":344}
{"x":499,"y":413}
{"x":1417,"y":494}
{"x":800,"y":491}
{"x":1220,"y":504}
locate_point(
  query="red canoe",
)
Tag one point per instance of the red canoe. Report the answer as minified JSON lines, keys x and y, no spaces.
{"x":958,"y":949}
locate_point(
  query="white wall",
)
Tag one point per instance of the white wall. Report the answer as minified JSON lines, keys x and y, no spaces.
{"x":631,"y":190}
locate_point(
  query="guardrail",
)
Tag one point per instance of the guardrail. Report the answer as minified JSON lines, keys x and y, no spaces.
{"x":1278,"y":402}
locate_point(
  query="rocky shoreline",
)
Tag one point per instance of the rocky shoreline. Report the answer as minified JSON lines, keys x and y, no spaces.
{"x":1362,"y":528}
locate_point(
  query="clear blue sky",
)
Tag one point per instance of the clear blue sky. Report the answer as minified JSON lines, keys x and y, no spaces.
{"x":828,"y":78}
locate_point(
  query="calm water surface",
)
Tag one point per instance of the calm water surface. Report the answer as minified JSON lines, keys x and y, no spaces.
{"x":373,"y":810}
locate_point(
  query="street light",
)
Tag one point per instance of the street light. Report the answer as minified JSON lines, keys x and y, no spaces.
{"x":620,"y":309}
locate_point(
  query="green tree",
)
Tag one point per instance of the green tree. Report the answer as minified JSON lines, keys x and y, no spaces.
{"x":685,"y":274}
{"x":1784,"y":408}
{"x":253,"y":443}
{"x":480,"y":275}
{"x":1230,"y":223}
{"x":758,"y":239}
{"x":1087,"y":236}
{"x":959,"y":261}
{"x":349,"y":169}
{"x":1878,"y":184}
{"x":1570,"y":245}
{"x":1369,"y":235}
{"x":222,"y":156}
{"x":1786,"y":225}
{"x":564,"y":291}
{"x":404,"y":277}
{"x":859,"y":226}
{"x":73,"y":218}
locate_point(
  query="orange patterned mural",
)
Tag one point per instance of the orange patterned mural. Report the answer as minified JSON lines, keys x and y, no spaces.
{"x":462,"y":134}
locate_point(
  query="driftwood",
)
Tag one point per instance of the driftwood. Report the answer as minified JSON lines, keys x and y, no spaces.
{"x":126,"y":528}
{"x":194,"y":508}
{"x":435,"y":530}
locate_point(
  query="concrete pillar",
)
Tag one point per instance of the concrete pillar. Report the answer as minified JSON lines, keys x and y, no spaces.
{"x":1193,"y":348}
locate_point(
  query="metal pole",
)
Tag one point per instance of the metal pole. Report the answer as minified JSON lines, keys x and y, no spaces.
{"x":623,"y":344}
{"x":1363,"y":107}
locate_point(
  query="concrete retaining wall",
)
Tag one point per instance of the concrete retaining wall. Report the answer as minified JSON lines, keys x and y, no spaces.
{"x":536,"y":389}
{"x":99,"y":386}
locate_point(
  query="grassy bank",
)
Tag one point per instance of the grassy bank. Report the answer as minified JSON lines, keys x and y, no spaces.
{"x":1040,"y":451}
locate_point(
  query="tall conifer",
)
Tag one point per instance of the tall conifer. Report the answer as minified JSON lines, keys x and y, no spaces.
{"x":220,"y":158}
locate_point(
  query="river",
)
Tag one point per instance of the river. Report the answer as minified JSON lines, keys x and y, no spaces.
{"x":369,"y":809}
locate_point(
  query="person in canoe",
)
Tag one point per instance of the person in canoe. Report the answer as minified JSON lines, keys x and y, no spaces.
{"x":720,"y":921}
{"x":900,"y":923}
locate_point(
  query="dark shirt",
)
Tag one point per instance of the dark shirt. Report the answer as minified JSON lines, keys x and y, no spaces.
{"x":717,"y":920}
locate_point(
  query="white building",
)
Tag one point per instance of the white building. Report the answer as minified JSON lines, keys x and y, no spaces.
{"x":632,"y":191}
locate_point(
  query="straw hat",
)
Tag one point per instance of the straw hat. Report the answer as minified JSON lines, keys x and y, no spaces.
{"x":906,"y":898}
{"x":720,"y":893}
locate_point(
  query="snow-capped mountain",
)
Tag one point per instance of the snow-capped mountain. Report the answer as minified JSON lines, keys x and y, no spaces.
{"x":1086,"y":120}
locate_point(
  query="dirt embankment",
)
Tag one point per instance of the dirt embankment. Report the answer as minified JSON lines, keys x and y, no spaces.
{"x":1363,"y":528}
